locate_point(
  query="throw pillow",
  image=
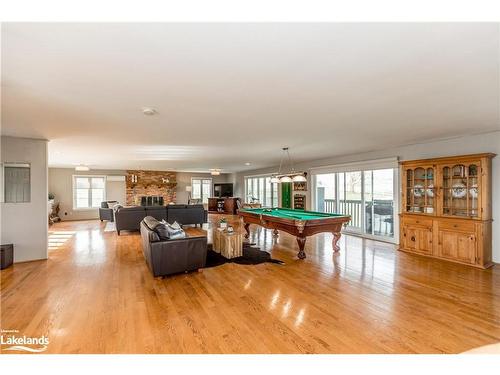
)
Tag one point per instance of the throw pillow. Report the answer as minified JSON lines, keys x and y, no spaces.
{"x":161,"y":230}
{"x":112,"y":204}
{"x":175,"y":234}
{"x":168,"y":232}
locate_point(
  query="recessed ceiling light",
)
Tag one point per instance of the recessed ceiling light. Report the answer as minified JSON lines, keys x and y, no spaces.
{"x":149,"y":111}
{"x":247,"y":163}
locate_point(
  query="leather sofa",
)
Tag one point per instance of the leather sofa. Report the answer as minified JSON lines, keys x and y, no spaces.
{"x":106,"y":213}
{"x":129,"y":218}
{"x":167,"y":257}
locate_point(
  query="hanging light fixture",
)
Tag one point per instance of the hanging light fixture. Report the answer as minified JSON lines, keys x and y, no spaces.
{"x":299,"y":178}
{"x":215,"y":172}
{"x":275,"y":180}
{"x":292,"y":175}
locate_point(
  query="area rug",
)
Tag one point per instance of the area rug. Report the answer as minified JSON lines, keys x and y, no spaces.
{"x":251,"y":255}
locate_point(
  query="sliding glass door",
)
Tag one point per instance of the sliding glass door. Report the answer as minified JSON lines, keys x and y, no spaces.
{"x":368,"y":196}
{"x":260,"y":189}
{"x":201,"y":188}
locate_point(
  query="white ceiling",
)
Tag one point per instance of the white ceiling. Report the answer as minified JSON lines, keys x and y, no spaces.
{"x":234,"y":93}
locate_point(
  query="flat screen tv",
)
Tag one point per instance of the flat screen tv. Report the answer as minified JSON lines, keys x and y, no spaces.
{"x":223,"y":190}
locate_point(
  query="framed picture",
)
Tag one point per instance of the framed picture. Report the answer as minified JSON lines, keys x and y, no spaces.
{"x":300,"y":186}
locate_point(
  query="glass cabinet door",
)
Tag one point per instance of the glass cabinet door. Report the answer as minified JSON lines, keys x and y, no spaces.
{"x":420,"y":194}
{"x":473,"y":190}
{"x":461,"y":190}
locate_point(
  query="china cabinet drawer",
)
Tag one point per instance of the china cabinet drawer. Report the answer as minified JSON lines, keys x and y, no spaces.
{"x":413,"y":221}
{"x":457,"y":226}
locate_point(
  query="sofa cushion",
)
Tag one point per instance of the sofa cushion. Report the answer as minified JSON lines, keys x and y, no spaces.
{"x":158,"y":212}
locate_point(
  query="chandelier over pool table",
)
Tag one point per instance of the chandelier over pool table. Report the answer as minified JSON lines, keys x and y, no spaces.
{"x":292,"y":175}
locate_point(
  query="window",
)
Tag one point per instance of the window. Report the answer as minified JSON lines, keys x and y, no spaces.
{"x":366,"y":192}
{"x":262,"y":190}
{"x":16,"y":186}
{"x":201,"y":188}
{"x":88,"y":191}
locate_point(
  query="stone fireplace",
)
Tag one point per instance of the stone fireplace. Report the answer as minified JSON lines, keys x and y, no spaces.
{"x":150,"y":183}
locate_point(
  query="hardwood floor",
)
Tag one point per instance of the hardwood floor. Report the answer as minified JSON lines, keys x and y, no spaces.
{"x":95,"y":295}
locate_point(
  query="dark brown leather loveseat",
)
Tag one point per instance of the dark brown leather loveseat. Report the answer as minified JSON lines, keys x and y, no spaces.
{"x":167,"y":257}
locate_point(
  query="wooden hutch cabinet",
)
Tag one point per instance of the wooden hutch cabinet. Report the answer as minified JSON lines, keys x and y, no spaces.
{"x":446,"y":208}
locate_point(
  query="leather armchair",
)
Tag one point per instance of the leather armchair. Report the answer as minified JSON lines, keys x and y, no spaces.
{"x":106,"y":213}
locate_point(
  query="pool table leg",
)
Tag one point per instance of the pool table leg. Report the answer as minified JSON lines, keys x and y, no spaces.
{"x":336,"y":238}
{"x":301,"y":241}
{"x":247,"y":230}
{"x":275,"y":232}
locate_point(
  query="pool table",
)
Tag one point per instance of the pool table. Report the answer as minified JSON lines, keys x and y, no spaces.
{"x":298,"y":223}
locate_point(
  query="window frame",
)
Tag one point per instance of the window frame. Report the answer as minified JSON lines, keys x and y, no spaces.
{"x":370,"y":165}
{"x":89,"y":176}
{"x":211,"y":192}
{"x":3,"y":182}
{"x":256,"y":189}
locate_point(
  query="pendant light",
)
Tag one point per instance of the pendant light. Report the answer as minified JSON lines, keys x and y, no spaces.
{"x":275,"y":180}
{"x":299,"y":178}
{"x":292,"y":175}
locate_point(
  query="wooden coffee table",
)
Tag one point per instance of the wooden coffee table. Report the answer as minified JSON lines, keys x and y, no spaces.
{"x":229,"y":245}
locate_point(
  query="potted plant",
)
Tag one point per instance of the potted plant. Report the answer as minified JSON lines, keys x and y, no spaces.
{"x":223,"y":223}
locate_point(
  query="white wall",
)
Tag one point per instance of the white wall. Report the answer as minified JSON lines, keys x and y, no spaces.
{"x":116,"y":191}
{"x":487,"y":142}
{"x":26,"y":224}
{"x":61,"y":185}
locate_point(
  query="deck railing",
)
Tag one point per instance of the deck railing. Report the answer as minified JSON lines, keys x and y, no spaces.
{"x":382,"y":212}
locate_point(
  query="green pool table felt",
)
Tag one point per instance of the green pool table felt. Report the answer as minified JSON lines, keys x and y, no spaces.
{"x":290,"y":213}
